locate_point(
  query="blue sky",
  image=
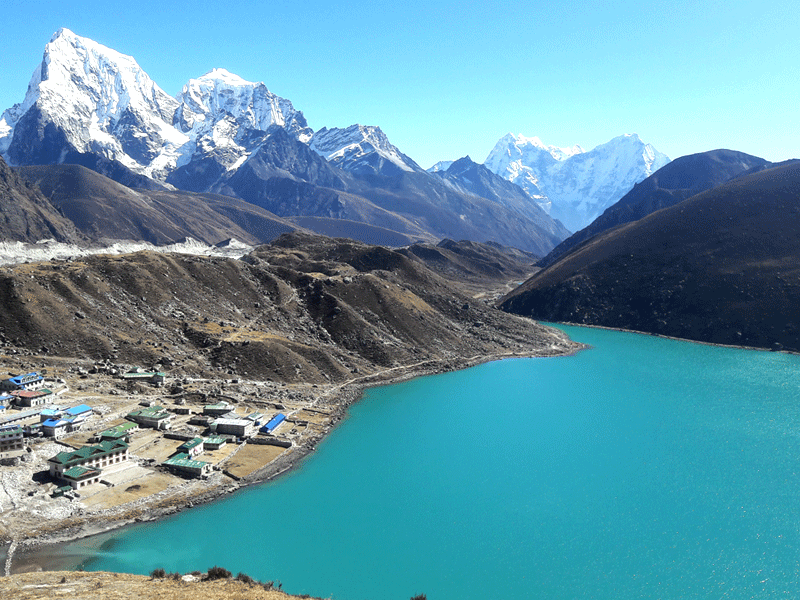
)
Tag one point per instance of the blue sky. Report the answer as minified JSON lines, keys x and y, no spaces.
{"x":445,"y":79}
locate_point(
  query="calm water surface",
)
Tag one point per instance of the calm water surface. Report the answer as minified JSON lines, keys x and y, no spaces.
{"x":642,"y":468}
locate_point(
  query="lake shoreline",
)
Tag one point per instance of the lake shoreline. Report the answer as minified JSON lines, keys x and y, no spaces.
{"x":36,"y":552}
{"x":671,"y":337}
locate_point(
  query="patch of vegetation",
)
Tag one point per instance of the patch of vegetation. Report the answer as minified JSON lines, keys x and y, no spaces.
{"x":216,"y":572}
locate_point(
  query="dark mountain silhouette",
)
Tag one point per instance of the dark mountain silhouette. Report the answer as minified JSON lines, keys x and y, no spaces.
{"x":722,"y":266}
{"x":469,"y":177}
{"x":681,"y":179}
{"x":26,"y":215}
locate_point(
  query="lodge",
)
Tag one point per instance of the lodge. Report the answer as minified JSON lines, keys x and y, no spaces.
{"x":120,"y":432}
{"x":238,"y":427}
{"x":156,"y":417}
{"x":31,"y":398}
{"x":29,"y":381}
{"x":192,"y":448}
{"x":181,"y":463}
{"x":273,"y":423}
{"x":154,"y":377}
{"x":11,"y":439}
{"x":91,"y":459}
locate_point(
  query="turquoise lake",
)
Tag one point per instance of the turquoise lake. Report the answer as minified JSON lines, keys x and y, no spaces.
{"x":641,"y":468}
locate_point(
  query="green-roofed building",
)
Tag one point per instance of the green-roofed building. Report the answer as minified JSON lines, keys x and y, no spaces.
{"x":156,"y":377}
{"x":11,"y":439}
{"x":214,"y":442}
{"x":79,"y":477}
{"x":93,"y":457}
{"x":181,"y":463}
{"x":120,"y":432}
{"x":193,"y":447}
{"x":154,"y":416}
{"x":220,"y":408}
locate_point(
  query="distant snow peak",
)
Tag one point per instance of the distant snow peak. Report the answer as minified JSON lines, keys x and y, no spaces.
{"x":221,"y":95}
{"x":523,"y":143}
{"x":575,"y":185}
{"x":218,"y":74}
{"x":359,"y":147}
{"x":442,"y":165}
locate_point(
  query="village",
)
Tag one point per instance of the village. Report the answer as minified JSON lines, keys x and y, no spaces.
{"x":105,"y":437}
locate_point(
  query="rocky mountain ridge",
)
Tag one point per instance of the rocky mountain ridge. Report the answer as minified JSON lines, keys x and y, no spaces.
{"x":302,"y":308}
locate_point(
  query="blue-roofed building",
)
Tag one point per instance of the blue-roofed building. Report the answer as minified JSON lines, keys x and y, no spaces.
{"x":28,"y":381}
{"x":78,"y":410}
{"x":56,"y":428}
{"x":50,"y":413}
{"x":273,"y":423}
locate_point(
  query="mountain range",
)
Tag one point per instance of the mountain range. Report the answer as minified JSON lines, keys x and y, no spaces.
{"x":89,"y":105}
{"x":571,"y":184}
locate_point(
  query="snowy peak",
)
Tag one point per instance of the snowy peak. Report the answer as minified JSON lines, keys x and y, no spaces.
{"x":360,"y":149}
{"x":518,"y":146}
{"x":572,"y":184}
{"x":219,"y":95}
{"x":86,"y":99}
{"x":558,"y":153}
{"x":442,"y":165}
{"x":80,"y":69}
{"x":100,"y":101}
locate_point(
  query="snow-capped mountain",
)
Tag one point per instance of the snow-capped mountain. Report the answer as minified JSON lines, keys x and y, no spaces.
{"x":360,"y":149}
{"x":441,"y":166}
{"x":85,"y":98}
{"x":91,"y":106}
{"x":573,"y":185}
{"x":225,"y":115}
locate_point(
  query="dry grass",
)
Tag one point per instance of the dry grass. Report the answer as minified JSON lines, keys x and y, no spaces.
{"x":251,"y":458}
{"x":116,"y":586}
{"x":128,"y":491}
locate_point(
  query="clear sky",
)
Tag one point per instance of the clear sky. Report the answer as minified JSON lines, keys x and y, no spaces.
{"x":445,"y":79}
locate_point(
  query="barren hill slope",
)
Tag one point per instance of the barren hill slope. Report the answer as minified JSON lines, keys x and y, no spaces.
{"x":26,"y":215}
{"x":303,"y":308}
{"x":104,"y":209}
{"x":678,"y":180}
{"x":722,"y":266}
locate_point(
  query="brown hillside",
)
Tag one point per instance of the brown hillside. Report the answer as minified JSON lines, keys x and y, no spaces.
{"x":301,"y":309}
{"x":26,"y":215}
{"x":103,"y":209}
{"x":722,"y":266}
{"x":111,"y":586}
